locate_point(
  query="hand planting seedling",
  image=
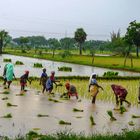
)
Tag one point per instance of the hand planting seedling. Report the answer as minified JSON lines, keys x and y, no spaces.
{"x":7,"y":116}
{"x":61,"y":122}
{"x":122,"y":109}
{"x":77,"y":110}
{"x":131,"y":123}
{"x":134,"y":116}
{"x":112,"y":118}
{"x":9,"y":105}
{"x":40,"y":115}
{"x":5,"y":98}
{"x":92,"y":120}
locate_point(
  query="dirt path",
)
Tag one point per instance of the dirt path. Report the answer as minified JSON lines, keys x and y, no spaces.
{"x":32,"y":103}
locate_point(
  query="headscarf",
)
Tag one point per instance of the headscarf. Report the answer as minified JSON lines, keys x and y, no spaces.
{"x":91,"y":77}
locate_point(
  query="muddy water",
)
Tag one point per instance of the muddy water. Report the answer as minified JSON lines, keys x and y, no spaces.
{"x":80,"y":70}
{"x":25,"y":115}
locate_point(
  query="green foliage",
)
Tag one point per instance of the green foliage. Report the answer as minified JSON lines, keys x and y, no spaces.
{"x":6,"y":92}
{"x":92,"y":120}
{"x":19,"y":63}
{"x":80,"y":37}
{"x":110,"y":113}
{"x":7,"y":116}
{"x":38,"y":65}
{"x":132,"y":35}
{"x":61,"y":122}
{"x":7,"y":60}
{"x":23,"y":51}
{"x":41,"y":115}
{"x":110,"y":74}
{"x":135,"y":116}
{"x":64,"y":68}
{"x":77,"y":110}
{"x":65,"y":54}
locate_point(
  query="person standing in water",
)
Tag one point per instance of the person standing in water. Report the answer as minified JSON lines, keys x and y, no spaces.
{"x":93,"y":87}
{"x":9,"y":74}
{"x":43,"y":80}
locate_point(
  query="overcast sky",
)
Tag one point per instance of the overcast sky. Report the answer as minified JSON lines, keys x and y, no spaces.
{"x":60,"y":18}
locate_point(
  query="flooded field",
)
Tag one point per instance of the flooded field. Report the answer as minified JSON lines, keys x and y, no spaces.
{"x":24,"y":116}
{"x":77,"y":70}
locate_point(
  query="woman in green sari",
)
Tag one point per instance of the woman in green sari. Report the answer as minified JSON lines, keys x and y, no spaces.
{"x":9,"y":73}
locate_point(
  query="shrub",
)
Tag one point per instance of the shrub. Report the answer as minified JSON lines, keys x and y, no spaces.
{"x":110,"y":74}
{"x":38,"y":65}
{"x":19,"y":63}
{"x":64,"y":68}
{"x":7,"y":60}
{"x":23,"y":51}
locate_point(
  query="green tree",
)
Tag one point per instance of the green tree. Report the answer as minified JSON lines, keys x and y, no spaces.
{"x":132,"y":35}
{"x":80,"y":37}
{"x":3,"y":36}
{"x":53,"y":44}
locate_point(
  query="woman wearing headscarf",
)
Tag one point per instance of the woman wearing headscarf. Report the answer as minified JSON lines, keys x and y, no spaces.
{"x":93,"y":87}
{"x":9,"y":73}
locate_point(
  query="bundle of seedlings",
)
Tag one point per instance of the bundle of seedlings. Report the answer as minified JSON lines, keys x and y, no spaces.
{"x":122,"y":109}
{"x":7,"y":60}
{"x":38,"y":65}
{"x":7,"y":116}
{"x":64,"y":122}
{"x":10,"y":105}
{"x":6,"y":92}
{"x":54,"y":100}
{"x":5,"y":98}
{"x":19,"y":63}
{"x":41,"y":115}
{"x":135,"y":116}
{"x":131,"y":123}
{"x":77,"y":110}
{"x":110,"y":113}
{"x":92,"y":120}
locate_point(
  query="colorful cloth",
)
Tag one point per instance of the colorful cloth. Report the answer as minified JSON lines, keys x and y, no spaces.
{"x":44,"y":78}
{"x":94,"y":90}
{"x":23,"y":80}
{"x":119,"y":91}
{"x":9,"y":71}
{"x":49,"y":83}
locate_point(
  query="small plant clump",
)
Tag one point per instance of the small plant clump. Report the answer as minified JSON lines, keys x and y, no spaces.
{"x":19,"y":63}
{"x":7,"y":60}
{"x":131,"y":123}
{"x":122,"y":109}
{"x":69,"y":69}
{"x":10,"y":105}
{"x":110,"y":74}
{"x":77,"y":110}
{"x":7,"y":116}
{"x":6,"y":92}
{"x":61,"y":122}
{"x":110,"y":113}
{"x":38,"y":65}
{"x":54,"y":100}
{"x":92,"y":120}
{"x":41,"y":115}
{"x":135,"y":116}
{"x":5,"y":98}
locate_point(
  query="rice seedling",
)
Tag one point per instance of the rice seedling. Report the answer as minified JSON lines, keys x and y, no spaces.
{"x":9,"y":115}
{"x":61,"y":122}
{"x":110,"y":113}
{"x":54,"y":100}
{"x":122,"y":109}
{"x":135,"y":116}
{"x":6,"y":92}
{"x":65,"y":69}
{"x":77,"y":110}
{"x":131,"y":123}
{"x":41,"y":115}
{"x":7,"y":60}
{"x":10,"y":105}
{"x":92,"y":120}
{"x":21,"y":94}
{"x":19,"y":63}
{"x":5,"y":98}
{"x":79,"y":117}
{"x":36,"y":129}
{"x":38,"y":65}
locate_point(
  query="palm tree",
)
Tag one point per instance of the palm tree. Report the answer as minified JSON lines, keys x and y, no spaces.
{"x":3,"y":35}
{"x":80,"y":37}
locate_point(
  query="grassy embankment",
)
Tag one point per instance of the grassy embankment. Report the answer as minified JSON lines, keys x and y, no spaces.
{"x":132,"y":135}
{"x":114,"y":62}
